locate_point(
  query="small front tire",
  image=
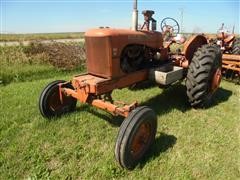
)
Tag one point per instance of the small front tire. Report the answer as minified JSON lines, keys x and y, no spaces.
{"x":136,"y":135}
{"x":50,"y":104}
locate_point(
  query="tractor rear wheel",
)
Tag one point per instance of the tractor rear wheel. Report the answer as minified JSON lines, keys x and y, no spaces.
{"x":50,"y":104}
{"x":236,"y":46}
{"x":135,"y":136}
{"x":204,"y":75}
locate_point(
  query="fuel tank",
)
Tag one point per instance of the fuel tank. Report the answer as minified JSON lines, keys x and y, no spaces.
{"x":104,"y":47}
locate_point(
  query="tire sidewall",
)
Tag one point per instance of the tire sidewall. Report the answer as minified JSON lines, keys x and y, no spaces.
{"x":51,"y":88}
{"x":236,"y":46}
{"x":196,"y":79}
{"x":145,"y":115}
{"x":45,"y":111}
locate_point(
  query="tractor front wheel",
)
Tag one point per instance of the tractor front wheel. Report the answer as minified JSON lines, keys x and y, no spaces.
{"x":204,"y":75}
{"x":50,"y":103}
{"x":135,"y":136}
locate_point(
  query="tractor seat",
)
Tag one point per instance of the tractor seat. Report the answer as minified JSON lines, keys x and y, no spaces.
{"x":148,"y":15}
{"x":148,"y":12}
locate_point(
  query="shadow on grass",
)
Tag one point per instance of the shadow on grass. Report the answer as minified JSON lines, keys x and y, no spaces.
{"x":174,"y":97}
{"x":115,"y":121}
{"x":220,"y":96}
{"x":161,"y":144}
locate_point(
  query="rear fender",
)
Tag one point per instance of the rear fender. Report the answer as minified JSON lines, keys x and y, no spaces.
{"x":191,"y":46}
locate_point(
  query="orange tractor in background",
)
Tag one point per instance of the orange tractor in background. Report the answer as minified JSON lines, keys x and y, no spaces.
{"x":230,"y":47}
{"x":119,"y":58}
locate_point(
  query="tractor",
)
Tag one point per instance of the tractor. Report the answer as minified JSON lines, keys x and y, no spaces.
{"x":228,"y":42}
{"x":120,"y":58}
{"x":230,"y":47}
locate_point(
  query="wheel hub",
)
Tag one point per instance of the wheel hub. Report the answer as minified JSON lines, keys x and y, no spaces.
{"x":54,"y":102}
{"x":216,"y":79}
{"x":141,"y":139}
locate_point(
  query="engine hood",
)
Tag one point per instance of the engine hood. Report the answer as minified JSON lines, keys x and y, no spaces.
{"x":104,"y":32}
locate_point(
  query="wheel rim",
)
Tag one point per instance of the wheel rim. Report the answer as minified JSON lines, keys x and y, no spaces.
{"x":141,"y":140}
{"x":216,"y":80}
{"x":55,"y":103}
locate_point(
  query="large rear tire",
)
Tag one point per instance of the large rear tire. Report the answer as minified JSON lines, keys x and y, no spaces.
{"x":135,"y":136}
{"x":236,"y":46}
{"x":204,"y":75}
{"x":50,"y":104}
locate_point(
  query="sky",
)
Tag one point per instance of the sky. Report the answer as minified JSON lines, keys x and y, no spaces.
{"x":44,"y":16}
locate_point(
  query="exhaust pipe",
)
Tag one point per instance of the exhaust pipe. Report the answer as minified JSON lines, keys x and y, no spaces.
{"x":233,"y":29}
{"x":135,"y":16}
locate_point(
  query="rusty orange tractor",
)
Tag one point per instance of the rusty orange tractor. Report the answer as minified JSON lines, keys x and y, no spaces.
{"x":230,"y":47}
{"x":228,"y":42}
{"x":119,"y":58}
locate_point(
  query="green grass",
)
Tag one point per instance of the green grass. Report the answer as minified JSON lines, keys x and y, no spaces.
{"x":26,"y":72}
{"x":40,"y":36}
{"x":16,"y":65}
{"x":30,"y":72}
{"x":190,"y":144}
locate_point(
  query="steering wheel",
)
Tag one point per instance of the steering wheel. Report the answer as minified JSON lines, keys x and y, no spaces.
{"x":170,"y":26}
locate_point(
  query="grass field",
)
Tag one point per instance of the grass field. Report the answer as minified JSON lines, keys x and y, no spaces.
{"x":40,"y":36}
{"x":190,"y":144}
